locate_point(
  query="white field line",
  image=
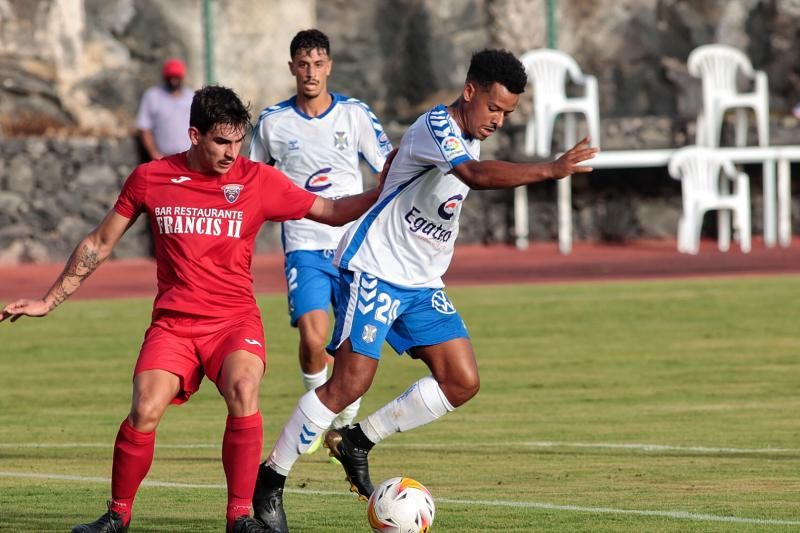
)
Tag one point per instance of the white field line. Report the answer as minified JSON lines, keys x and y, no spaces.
{"x":457,"y":445}
{"x":678,"y":515}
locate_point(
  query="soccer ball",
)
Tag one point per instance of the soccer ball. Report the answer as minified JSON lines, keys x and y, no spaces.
{"x":401,"y":505}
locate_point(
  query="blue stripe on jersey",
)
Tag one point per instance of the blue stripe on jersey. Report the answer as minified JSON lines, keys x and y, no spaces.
{"x":363,"y":228}
{"x":334,"y":100}
{"x":438,"y":123}
{"x":376,"y":125}
{"x":271,"y":110}
{"x":280,"y":106}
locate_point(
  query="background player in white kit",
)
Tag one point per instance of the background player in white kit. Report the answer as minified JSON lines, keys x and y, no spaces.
{"x":317,"y":138}
{"x":392,"y":260}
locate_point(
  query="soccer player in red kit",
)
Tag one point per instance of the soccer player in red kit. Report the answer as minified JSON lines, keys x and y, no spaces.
{"x":205,"y":208}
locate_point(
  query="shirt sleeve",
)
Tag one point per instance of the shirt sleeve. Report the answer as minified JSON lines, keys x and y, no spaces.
{"x":373,"y":144}
{"x":280,"y":198}
{"x":437,"y":143}
{"x":131,"y":199}
{"x":144,"y":117}
{"x":259,"y":144}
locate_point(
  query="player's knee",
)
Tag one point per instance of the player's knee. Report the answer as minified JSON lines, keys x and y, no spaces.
{"x":460,"y":391}
{"x":312,"y":346}
{"x":145,"y":415}
{"x":241,"y":392}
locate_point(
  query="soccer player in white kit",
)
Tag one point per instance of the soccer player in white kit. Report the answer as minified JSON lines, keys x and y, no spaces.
{"x":317,"y":138}
{"x":391,"y":260}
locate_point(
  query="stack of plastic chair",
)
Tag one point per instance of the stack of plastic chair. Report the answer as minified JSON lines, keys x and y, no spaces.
{"x":704,"y":174}
{"x":717,"y":66}
{"x":549,"y":72}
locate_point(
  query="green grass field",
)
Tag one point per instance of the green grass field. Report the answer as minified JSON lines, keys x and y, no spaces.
{"x":647,"y":406}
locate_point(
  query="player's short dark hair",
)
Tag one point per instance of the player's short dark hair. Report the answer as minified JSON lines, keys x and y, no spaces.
{"x":215,"y":104}
{"x":497,"y":66}
{"x":309,"y":40}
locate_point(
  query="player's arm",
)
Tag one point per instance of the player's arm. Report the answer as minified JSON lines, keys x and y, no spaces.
{"x":505,"y":175}
{"x":344,"y":210}
{"x":340,"y":212}
{"x":93,"y":249}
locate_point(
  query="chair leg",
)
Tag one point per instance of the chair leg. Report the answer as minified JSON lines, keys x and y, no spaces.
{"x":762,"y":126}
{"x":696,"y":230}
{"x":682,"y":235}
{"x":723,"y":230}
{"x":544,"y":135}
{"x":741,"y":126}
{"x":745,"y":230}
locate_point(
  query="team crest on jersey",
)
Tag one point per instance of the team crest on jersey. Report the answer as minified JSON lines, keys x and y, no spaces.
{"x":293,"y":144}
{"x":448,"y":208}
{"x":231,"y":191}
{"x":368,"y":335}
{"x":340,"y":140}
{"x":442,"y":303}
{"x":319,"y":180}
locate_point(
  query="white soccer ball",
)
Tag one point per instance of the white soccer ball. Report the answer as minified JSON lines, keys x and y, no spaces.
{"x":401,"y":505}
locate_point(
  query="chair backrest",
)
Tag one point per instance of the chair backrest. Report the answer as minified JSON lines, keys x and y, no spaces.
{"x":716,"y":65}
{"x":547,"y":70}
{"x":699,"y":168}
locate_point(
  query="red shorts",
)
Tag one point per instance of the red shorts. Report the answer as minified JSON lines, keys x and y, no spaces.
{"x":191,"y":347}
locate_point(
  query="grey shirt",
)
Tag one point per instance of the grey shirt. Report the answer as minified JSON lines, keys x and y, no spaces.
{"x":167,"y":116}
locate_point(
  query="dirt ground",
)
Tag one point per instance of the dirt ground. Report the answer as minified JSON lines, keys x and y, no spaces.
{"x":472,"y":265}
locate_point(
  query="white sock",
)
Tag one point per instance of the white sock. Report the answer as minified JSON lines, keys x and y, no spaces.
{"x":346,"y":417}
{"x":312,"y":381}
{"x":422,"y":403}
{"x":309,"y":420}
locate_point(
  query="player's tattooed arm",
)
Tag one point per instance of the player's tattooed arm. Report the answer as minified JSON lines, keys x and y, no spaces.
{"x":87,"y":256}
{"x":504,"y":175}
{"x":83,"y":261}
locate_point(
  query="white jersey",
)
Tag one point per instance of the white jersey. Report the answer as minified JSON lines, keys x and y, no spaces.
{"x":320,"y":154}
{"x":407,"y":237}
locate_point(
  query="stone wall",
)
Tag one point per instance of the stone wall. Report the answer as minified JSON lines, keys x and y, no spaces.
{"x":72,"y":71}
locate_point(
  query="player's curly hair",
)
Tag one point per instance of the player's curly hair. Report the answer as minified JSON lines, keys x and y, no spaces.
{"x":215,"y":104}
{"x":497,"y":66}
{"x":310,"y":40}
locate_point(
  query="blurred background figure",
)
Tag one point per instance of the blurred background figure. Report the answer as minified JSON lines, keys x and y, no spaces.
{"x":163,"y":117}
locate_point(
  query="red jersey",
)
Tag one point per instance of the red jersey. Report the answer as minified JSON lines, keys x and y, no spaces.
{"x":205,"y":227}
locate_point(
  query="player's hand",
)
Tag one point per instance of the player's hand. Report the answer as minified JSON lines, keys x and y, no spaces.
{"x":386,"y":165}
{"x":569,"y":162}
{"x":20,"y":308}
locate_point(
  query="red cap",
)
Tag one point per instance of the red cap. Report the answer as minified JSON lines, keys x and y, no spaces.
{"x":173,"y":68}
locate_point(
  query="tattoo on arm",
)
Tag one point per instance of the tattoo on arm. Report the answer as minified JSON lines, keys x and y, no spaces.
{"x":83,"y":261}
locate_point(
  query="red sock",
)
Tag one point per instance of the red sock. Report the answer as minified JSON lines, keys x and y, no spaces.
{"x":133,"y":455}
{"x":241,"y":453}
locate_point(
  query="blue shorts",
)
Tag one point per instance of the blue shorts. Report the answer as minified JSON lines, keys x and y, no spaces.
{"x":371,"y":310}
{"x":312,"y":282}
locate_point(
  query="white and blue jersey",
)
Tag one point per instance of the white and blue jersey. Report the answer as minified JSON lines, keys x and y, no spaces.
{"x":407,"y":237}
{"x":392,"y":259}
{"x":320,"y":154}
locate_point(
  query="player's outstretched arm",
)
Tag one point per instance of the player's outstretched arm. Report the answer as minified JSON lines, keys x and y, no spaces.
{"x":344,"y":210}
{"x":93,"y":249}
{"x":505,"y":175}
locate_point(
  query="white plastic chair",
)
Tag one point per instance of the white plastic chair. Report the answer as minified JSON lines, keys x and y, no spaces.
{"x":705,"y":174}
{"x":547,"y":70}
{"x":717,"y":66}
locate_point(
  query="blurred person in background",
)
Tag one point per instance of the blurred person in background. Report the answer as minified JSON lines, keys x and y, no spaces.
{"x":163,"y":117}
